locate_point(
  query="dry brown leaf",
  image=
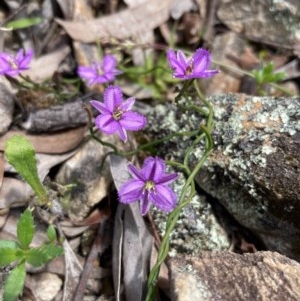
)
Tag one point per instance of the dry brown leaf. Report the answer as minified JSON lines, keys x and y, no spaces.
{"x":54,"y":143}
{"x":131,"y":236}
{"x":14,"y":193}
{"x":73,"y":270}
{"x":125,"y":24}
{"x":44,"y":67}
{"x":67,"y":7}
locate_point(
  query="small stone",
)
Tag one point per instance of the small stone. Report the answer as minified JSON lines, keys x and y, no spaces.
{"x":45,"y":286}
{"x":7,"y":105}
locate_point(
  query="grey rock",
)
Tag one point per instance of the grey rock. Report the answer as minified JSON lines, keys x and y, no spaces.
{"x":7,"y":105}
{"x":274,"y":22}
{"x":90,"y":181}
{"x":254,"y":168}
{"x":197,"y":229}
{"x":228,"y":276}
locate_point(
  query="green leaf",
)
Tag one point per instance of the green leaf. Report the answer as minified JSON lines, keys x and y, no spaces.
{"x":268,"y":69}
{"x":52,"y":250}
{"x":42,"y":255}
{"x":278,"y":76}
{"x":7,"y":256}
{"x":21,"y":155}
{"x":23,"y":23}
{"x":25,"y":229}
{"x":36,"y":257}
{"x":14,"y":283}
{"x":8,"y":244}
{"x":51,"y":233}
{"x":258,"y":75}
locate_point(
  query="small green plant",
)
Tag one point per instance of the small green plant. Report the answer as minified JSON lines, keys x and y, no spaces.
{"x":153,"y":75}
{"x":21,"y":155}
{"x":266,"y":75}
{"x":19,"y":253}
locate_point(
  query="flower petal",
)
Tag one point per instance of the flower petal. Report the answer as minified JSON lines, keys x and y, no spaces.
{"x":164,"y":198}
{"x":86,"y":72}
{"x":108,"y":63}
{"x":4,"y":65}
{"x":106,"y":77}
{"x":12,"y":72}
{"x":182,"y":58}
{"x":177,"y":63}
{"x":153,"y":168}
{"x":19,"y":55}
{"x":167,"y":178}
{"x":122,"y":132}
{"x":136,"y":173}
{"x":201,"y":60}
{"x":112,"y":97}
{"x":131,"y":191}
{"x":204,"y":74}
{"x":107,"y":124}
{"x":132,"y":121}
{"x":25,"y":60}
{"x":127,"y":104}
{"x":99,"y":106}
{"x":145,"y":203}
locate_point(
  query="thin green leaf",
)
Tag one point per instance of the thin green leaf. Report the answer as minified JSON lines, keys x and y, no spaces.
{"x":51,"y":233}
{"x":7,"y":256}
{"x":278,"y":76}
{"x":21,"y":155}
{"x":25,"y":229}
{"x":23,"y":23}
{"x":14,"y":283}
{"x":269,"y":68}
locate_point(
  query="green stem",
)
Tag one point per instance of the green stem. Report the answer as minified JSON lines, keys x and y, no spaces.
{"x":171,"y":222}
{"x":183,"y":90}
{"x":184,"y":198}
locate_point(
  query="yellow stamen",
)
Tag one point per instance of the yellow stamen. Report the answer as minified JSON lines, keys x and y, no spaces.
{"x":149,"y":185}
{"x":13,"y":63}
{"x":100,"y":71}
{"x":117,"y":114}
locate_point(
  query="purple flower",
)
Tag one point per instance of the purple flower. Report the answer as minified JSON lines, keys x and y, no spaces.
{"x":194,"y":67}
{"x":100,"y":73}
{"x":150,"y":184}
{"x":12,"y":65}
{"x":116,"y":114}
